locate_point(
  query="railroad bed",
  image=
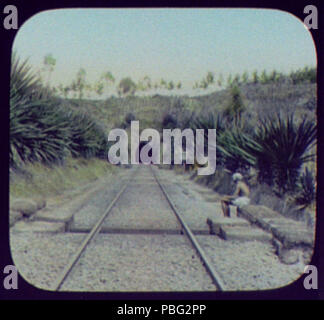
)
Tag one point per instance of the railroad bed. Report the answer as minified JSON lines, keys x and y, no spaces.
{"x":128,"y":237}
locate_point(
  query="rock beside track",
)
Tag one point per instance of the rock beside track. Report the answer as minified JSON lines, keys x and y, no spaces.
{"x":291,"y":239}
{"x":26,"y":207}
{"x":39,"y":226}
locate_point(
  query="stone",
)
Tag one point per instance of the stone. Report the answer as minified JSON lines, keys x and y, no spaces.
{"x":26,"y":206}
{"x":39,"y":226}
{"x":62,"y":214}
{"x":292,"y":256}
{"x":14,"y":216}
{"x":215,"y":224}
{"x":277,"y":246}
{"x":290,"y":232}
{"x":292,"y":235}
{"x":243,"y":233}
{"x":212,"y":197}
{"x":205,"y":191}
{"x":270,"y":224}
{"x":307,"y":256}
{"x":255,"y":213}
{"x":40,"y":202}
{"x":289,"y":256}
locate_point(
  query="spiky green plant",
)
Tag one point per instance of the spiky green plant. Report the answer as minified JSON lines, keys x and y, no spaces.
{"x":209,"y":121}
{"x":232,"y":146}
{"x":31,"y":127}
{"x":307,"y":194}
{"x":24,"y":82}
{"x":277,"y":149}
{"x":42,"y":128}
{"x":235,"y":107}
{"x":281,"y":149}
{"x":86,"y":137}
{"x":231,"y":141}
{"x":35,"y":133}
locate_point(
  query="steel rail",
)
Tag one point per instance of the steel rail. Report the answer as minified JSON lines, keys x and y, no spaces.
{"x":74,"y":259}
{"x":207,"y":264}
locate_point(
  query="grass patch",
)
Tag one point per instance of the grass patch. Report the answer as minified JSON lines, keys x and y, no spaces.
{"x":37,"y":179}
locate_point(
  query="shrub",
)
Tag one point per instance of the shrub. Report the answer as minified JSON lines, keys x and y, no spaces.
{"x":280,"y":149}
{"x":36,"y":132}
{"x":307,"y":193}
{"x":236,"y":107}
{"x":24,"y":83}
{"x":126,"y":87}
{"x":86,"y":138}
{"x":129,"y":118}
{"x":231,"y":141}
{"x":302,"y":75}
{"x":169,"y":121}
{"x":42,"y":128}
{"x":232,"y":146}
{"x":209,"y":121}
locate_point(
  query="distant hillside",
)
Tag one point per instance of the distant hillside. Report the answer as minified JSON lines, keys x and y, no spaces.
{"x":268,"y":98}
{"x":259,"y":99}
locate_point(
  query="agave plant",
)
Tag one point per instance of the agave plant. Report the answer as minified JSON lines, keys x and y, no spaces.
{"x":307,"y":193}
{"x":31,"y":128}
{"x":233,"y":147}
{"x":42,"y":129}
{"x":24,"y":82}
{"x":35,"y":133}
{"x":282,"y":146}
{"x":278,"y":149}
{"x":86,"y":137}
{"x":232,"y":141}
{"x":210,"y":121}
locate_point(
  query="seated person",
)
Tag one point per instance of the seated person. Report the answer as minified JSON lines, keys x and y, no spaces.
{"x":240,"y":196}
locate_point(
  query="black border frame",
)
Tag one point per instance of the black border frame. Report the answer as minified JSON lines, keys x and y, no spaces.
{"x":294,"y":291}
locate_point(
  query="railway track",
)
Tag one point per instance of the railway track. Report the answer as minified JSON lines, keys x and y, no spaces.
{"x":207,"y":264}
{"x":98,"y":226}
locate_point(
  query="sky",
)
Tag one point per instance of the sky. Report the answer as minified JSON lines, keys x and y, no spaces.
{"x":174,"y":44}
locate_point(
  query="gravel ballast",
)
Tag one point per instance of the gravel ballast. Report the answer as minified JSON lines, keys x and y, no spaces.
{"x":91,"y":212}
{"x":40,"y":257}
{"x":142,"y":206}
{"x":139,"y":263}
{"x":251,"y":265}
